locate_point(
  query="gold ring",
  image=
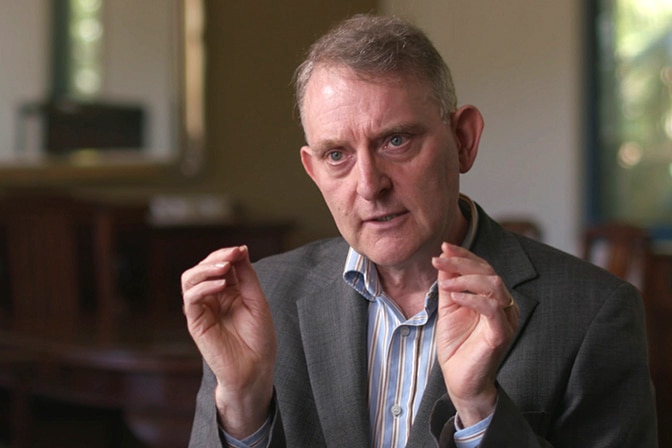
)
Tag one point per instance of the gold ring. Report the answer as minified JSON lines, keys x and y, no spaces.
{"x":509,"y":305}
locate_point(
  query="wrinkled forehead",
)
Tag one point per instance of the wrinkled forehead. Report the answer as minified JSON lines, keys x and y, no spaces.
{"x":336,"y":71}
{"x":397,"y":77}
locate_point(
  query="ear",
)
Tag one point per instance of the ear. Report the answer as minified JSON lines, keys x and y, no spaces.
{"x":468,"y":126}
{"x":307,"y":159}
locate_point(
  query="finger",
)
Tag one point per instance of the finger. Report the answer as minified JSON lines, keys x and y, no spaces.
{"x":217,"y":263}
{"x":206,"y":294}
{"x":490,"y":309}
{"x":459,"y":263}
{"x":495,"y":315}
{"x":202,"y":272}
{"x":232,"y":254}
{"x":455,"y":267}
{"x":475,"y":302}
{"x":245,"y":275}
{"x":490,"y":287}
{"x":203,"y":298}
{"x":475,"y":293}
{"x":451,"y":250}
{"x":203,"y":290}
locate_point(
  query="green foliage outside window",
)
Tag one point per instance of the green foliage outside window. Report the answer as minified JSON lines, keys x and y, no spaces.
{"x":634,"y":111}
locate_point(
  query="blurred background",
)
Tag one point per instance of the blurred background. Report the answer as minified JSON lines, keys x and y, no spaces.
{"x":135,"y":137}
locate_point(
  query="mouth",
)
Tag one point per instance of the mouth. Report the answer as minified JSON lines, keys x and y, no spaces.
{"x":386,"y":218}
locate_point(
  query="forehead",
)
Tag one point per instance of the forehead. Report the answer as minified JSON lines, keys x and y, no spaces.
{"x":337,"y":99}
{"x":332,"y":76}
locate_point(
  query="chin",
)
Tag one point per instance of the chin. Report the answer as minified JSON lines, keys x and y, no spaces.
{"x":391,"y":255}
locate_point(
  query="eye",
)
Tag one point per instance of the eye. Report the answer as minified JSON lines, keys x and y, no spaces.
{"x":400,"y":145}
{"x":397,"y":140}
{"x":335,"y":156}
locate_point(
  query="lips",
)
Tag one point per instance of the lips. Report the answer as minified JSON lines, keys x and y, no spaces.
{"x":386,"y":218}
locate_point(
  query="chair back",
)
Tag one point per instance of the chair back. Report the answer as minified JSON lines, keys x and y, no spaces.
{"x":57,"y":256}
{"x":526,"y":227}
{"x":621,"y":248}
{"x":43,"y":257}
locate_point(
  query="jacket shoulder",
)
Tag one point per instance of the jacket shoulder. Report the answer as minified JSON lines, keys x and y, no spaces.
{"x":316,"y":263}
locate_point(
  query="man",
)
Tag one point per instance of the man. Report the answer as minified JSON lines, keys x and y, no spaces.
{"x":442,"y":328}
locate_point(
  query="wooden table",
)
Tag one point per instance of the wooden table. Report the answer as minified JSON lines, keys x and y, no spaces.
{"x":150,"y":371}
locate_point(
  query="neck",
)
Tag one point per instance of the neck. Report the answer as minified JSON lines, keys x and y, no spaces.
{"x":407,"y":285}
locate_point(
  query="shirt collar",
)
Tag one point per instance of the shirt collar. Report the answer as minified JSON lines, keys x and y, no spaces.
{"x":468,"y":209}
{"x":361,"y":274}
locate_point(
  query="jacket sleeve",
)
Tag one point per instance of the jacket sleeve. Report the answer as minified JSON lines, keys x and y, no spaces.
{"x":205,"y":431}
{"x":608,"y":399}
{"x":508,"y":428}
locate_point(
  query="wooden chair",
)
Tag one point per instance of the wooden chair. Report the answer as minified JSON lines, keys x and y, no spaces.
{"x":48,"y":257}
{"x":526,"y":227}
{"x":59,"y":257}
{"x":621,"y":248}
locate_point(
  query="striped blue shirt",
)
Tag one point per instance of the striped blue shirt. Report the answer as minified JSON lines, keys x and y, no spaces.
{"x":401,"y":354}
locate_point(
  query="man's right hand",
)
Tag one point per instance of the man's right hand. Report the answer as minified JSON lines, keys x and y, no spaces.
{"x":230,"y":321}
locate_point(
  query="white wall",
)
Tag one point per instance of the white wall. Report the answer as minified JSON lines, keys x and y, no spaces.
{"x":24,"y":63}
{"x":520,"y":63}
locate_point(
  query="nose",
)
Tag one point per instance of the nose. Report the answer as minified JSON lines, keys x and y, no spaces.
{"x":373,"y":178}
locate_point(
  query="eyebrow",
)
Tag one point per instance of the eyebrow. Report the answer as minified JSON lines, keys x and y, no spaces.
{"x":400,"y":128}
{"x":324,"y":145}
{"x":404,"y":128}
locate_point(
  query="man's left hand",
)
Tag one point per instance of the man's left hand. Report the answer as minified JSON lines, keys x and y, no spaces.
{"x":477,"y":318}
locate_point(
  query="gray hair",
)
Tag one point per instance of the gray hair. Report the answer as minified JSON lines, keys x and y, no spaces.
{"x":375,"y":46}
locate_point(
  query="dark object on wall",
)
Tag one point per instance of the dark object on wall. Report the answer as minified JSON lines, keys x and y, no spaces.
{"x":64,"y":126}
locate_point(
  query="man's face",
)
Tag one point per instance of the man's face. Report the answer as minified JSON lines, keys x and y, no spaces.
{"x":385,"y":162}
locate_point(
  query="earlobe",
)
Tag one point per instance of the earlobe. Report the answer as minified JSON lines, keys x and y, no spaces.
{"x":468,"y":126}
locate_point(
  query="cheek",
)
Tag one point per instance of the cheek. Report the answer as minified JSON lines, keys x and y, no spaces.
{"x":435,"y":178}
{"x":335,"y":196}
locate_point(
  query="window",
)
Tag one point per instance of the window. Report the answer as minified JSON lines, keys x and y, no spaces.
{"x":77,"y":53}
{"x":630,"y":138}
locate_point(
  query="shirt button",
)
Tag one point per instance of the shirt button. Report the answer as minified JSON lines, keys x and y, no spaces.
{"x":404,"y":330}
{"x":396,"y":410}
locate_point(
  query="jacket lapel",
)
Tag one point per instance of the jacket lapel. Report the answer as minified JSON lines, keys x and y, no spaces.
{"x":508,"y":258}
{"x":333,"y":327}
{"x":420,"y":435}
